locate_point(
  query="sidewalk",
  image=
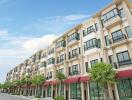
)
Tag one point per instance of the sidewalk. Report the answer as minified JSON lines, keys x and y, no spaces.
{"x":32,"y":98}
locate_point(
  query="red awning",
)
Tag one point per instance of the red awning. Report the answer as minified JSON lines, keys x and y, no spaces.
{"x":54,"y":82}
{"x":125,"y":73}
{"x":46,"y":83}
{"x":72,"y":80}
{"x":84,"y":78}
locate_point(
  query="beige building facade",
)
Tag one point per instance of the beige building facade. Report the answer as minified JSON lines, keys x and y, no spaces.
{"x":105,"y":37}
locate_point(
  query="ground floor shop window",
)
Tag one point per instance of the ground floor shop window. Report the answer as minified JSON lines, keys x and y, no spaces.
{"x":49,"y":91}
{"x":75,"y":91}
{"x":62,"y":90}
{"x":96,"y":91}
{"x":125,"y":89}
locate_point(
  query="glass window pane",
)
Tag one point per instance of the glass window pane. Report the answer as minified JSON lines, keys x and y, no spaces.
{"x":120,"y":57}
{"x":129,"y":32}
{"x":126,"y":56}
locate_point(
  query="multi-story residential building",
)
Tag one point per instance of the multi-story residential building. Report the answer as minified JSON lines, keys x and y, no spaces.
{"x":106,"y":36}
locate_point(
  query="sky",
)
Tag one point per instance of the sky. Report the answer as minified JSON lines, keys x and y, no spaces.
{"x":29,"y":25}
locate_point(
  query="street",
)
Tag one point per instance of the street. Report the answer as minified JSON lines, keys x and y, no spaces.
{"x":11,"y":97}
{"x":14,"y":97}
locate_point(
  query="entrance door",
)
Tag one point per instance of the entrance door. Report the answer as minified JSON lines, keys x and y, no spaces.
{"x":43,"y":93}
{"x":67,"y":95}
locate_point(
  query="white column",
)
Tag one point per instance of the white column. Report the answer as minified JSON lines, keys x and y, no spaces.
{"x":116,"y":91}
{"x":69,"y":91}
{"x":51,"y":91}
{"x":82,"y":90}
{"x":88,"y":91}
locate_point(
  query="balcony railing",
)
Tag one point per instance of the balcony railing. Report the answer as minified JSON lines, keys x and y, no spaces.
{"x":74,"y":73}
{"x":49,"y":77}
{"x":118,"y":38}
{"x":122,"y":63}
{"x":90,"y":47}
{"x":59,"y":60}
{"x":73,"y":56}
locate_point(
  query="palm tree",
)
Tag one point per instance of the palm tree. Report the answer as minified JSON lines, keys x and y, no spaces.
{"x":61,"y":77}
{"x":38,"y":80}
{"x":104,"y":75}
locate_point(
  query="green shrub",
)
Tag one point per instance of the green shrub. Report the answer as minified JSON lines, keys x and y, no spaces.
{"x":37,"y":96}
{"x":13,"y":94}
{"x":59,"y":98}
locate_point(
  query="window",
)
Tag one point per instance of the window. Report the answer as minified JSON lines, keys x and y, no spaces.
{"x":84,"y":33}
{"x":90,"y":44}
{"x":128,"y":31}
{"x":62,"y":57}
{"x":96,"y":26}
{"x":61,"y":44}
{"x":90,"y":29}
{"x":49,"y":75}
{"x":96,"y":91}
{"x":94,"y":62}
{"x":74,"y":36}
{"x":43,"y":64}
{"x":121,"y":13}
{"x":49,"y":91}
{"x":117,"y":36}
{"x":109,"y":15}
{"x":62,"y":90}
{"x":87,"y":67}
{"x":74,"y":70}
{"x":107,"y":42}
{"x":123,"y":58}
{"x":110,"y":59}
{"x":51,"y":61}
{"x":75,"y":91}
{"x":125,"y":89}
{"x":74,"y":53}
{"x":51,"y":51}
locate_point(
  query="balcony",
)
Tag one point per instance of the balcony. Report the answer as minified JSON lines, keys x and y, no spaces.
{"x":61,"y":45}
{"x":112,"y":21}
{"x":49,"y":77}
{"x":122,"y":64}
{"x":74,"y":73}
{"x":121,"y":39}
{"x":73,"y":56}
{"x":74,"y":39}
{"x":59,"y":61}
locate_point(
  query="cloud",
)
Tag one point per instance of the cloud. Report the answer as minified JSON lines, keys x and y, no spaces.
{"x":39,"y":43}
{"x":3,"y":32}
{"x":55,"y":24}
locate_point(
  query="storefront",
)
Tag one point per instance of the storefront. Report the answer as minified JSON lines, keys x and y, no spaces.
{"x":49,"y":91}
{"x":75,"y":91}
{"x":96,"y":91}
{"x":125,"y":88}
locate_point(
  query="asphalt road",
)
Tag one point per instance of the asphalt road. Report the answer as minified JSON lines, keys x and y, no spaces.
{"x":11,"y":97}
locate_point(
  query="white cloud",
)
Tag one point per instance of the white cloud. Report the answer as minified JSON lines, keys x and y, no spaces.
{"x":3,"y":32}
{"x":39,"y":43}
{"x":68,"y":18}
{"x":55,"y":24}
